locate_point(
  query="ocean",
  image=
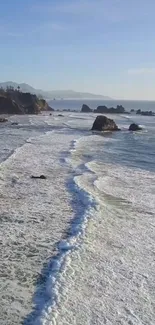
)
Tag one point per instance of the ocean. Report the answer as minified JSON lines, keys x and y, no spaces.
{"x":77,"y":104}
{"x":79,"y":246}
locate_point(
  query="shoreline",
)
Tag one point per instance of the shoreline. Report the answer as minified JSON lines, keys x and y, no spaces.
{"x":50,"y":264}
{"x":23,"y":198}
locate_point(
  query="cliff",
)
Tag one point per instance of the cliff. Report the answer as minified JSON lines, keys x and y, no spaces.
{"x":13,"y":101}
{"x":8,"y":106}
{"x":44,"y":105}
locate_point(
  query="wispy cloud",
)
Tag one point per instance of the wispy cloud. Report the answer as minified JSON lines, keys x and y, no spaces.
{"x":8,"y":31}
{"x":79,"y":7}
{"x":70,"y":7}
{"x":109,"y":10}
{"x":141,"y":71}
{"x":14,"y":34}
{"x":56,"y":26}
{"x":42,"y":30}
{"x":88,"y":8}
{"x":47,"y":31}
{"x":49,"y":27}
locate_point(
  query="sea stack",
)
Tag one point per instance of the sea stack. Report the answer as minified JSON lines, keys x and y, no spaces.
{"x":103,"y":123}
{"x":85,"y":109}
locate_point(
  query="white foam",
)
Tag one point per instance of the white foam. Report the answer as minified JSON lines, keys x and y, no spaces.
{"x":113,"y":273}
{"x":133,"y":185}
{"x":35,"y":213}
{"x":110,"y":279}
{"x":104,"y":280}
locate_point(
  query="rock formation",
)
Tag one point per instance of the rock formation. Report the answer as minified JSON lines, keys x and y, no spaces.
{"x":104,"y":109}
{"x":145,"y":113}
{"x":85,"y":109}
{"x":134,"y":127}
{"x":102,"y":123}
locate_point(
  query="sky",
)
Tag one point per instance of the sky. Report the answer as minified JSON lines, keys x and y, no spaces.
{"x":101,"y":46}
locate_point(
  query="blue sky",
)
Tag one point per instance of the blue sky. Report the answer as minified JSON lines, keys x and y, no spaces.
{"x":101,"y":46}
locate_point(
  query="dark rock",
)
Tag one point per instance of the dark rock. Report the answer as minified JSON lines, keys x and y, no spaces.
{"x":138,"y":111}
{"x":66,"y":110}
{"x":14,"y":123}
{"x":103,"y":123}
{"x":134,"y":127}
{"x":120,"y":109}
{"x":147,"y":113}
{"x":85,"y":109}
{"x":104,"y":109}
{"x":60,"y":115}
{"x":9,"y":106}
{"x":41,"y":177}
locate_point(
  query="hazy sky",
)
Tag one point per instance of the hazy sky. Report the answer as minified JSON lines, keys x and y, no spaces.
{"x":100,"y":46}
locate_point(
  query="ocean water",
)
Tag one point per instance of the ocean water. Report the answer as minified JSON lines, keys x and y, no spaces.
{"x":78,"y":247}
{"x":77,"y":104}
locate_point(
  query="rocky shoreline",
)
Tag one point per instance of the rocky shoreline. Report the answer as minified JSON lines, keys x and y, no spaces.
{"x":112,"y":110}
{"x":103,"y":109}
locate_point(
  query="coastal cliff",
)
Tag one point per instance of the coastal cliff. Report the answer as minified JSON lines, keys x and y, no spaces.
{"x":13,"y":101}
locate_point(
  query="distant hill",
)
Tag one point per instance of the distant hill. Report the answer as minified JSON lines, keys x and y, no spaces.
{"x":58,"y":94}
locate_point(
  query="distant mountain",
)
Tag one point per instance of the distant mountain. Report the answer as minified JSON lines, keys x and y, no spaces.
{"x":57,"y":94}
{"x":71,"y":94}
{"x":23,"y":86}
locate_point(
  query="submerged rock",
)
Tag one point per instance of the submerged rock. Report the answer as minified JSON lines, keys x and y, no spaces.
{"x":41,"y":177}
{"x":103,"y":123}
{"x":134,"y":127}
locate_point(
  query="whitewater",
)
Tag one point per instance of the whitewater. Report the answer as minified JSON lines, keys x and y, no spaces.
{"x":78,"y":247}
